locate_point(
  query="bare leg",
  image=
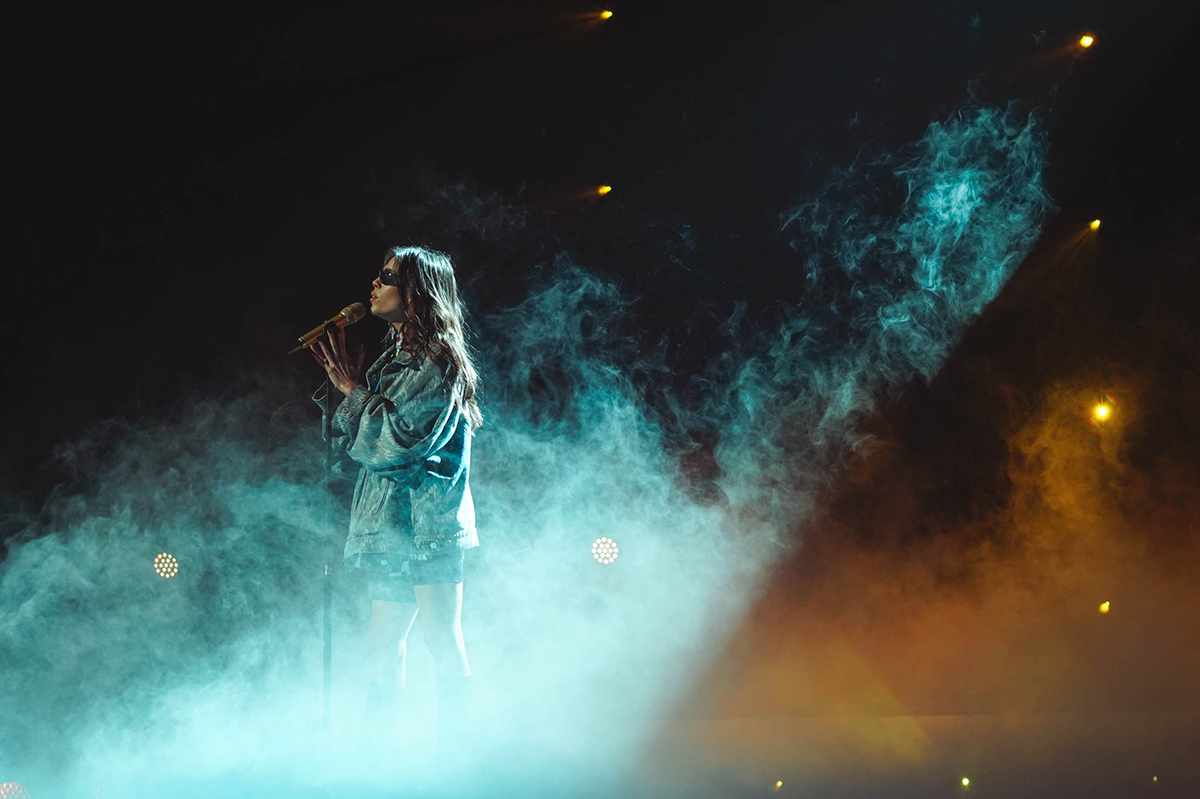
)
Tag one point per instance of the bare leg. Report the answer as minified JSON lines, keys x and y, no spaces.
{"x":387,"y":641}
{"x":441,"y":625}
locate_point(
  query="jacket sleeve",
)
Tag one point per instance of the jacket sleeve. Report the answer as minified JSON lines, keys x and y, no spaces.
{"x":393,"y":431}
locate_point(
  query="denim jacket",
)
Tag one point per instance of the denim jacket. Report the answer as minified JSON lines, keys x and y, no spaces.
{"x":411,"y":445}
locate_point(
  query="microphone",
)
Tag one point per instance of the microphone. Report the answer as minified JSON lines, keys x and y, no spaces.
{"x":347,"y":316}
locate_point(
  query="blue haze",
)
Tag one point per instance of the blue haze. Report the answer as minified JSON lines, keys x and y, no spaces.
{"x":211,"y":681}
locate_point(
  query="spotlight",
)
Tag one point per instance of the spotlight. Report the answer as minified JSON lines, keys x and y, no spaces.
{"x":1087,"y":40}
{"x":604,"y":190}
{"x":13,"y":790}
{"x":966,"y":783}
{"x":165,"y":565}
{"x":605,"y":15}
{"x":604,"y":550}
{"x":1094,"y":224}
{"x":1104,"y":607}
{"x":1102,"y":412}
{"x":778,"y":784}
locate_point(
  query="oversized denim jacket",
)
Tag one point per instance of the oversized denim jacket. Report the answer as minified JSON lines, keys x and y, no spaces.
{"x":411,"y":444}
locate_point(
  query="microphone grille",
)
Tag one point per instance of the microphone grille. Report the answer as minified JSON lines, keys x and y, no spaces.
{"x":354,"y":312}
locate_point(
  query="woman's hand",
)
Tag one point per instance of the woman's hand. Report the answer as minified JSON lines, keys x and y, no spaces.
{"x":343,"y":370}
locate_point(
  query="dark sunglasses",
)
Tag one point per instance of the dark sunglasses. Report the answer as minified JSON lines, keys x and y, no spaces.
{"x":389,"y":277}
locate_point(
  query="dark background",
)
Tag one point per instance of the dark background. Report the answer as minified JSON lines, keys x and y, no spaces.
{"x":190,"y":190}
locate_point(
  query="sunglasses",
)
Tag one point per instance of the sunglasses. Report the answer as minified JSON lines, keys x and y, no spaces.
{"x":389,"y":277}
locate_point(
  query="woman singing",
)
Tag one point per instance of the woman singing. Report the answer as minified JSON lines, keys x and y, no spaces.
{"x":406,"y":429}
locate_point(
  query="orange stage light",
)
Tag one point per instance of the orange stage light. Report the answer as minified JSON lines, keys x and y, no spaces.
{"x":604,"y":190}
{"x":1087,"y":40}
{"x":605,"y":14}
{"x":1094,"y":224}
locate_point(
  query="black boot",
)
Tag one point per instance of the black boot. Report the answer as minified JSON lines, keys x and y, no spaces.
{"x":454,"y":717}
{"x":381,"y":717}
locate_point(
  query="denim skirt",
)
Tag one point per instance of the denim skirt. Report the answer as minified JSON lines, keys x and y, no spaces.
{"x":398,"y":587}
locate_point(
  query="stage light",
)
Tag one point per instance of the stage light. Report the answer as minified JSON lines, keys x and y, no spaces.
{"x":605,"y":15}
{"x":165,"y":565}
{"x":1104,"y":607}
{"x":1154,"y":779}
{"x":966,"y":783}
{"x":604,"y":190}
{"x":13,"y":790}
{"x":778,"y":784}
{"x":1102,"y":412}
{"x":1094,"y":224}
{"x":1086,"y":40}
{"x":604,"y":550}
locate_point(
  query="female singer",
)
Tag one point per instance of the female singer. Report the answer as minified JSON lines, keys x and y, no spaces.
{"x":406,"y":429}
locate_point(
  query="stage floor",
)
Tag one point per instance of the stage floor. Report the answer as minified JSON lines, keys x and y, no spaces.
{"x":1044,"y":755}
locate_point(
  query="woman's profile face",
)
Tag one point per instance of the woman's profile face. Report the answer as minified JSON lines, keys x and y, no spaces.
{"x":386,"y":301}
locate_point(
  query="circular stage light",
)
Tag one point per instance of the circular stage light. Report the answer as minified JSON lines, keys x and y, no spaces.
{"x":1102,"y":412}
{"x":13,"y":790}
{"x":165,"y":565}
{"x":604,"y":190}
{"x":604,"y":550}
{"x":1086,"y":40}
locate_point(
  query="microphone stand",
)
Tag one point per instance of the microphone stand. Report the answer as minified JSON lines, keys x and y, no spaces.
{"x":326,"y":583}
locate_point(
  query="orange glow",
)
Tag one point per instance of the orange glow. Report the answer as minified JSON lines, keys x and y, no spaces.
{"x":604,"y":190}
{"x":1095,"y":224}
{"x":607,"y":14}
{"x":1087,"y":40}
{"x":1104,"y":607}
{"x":1102,"y":412}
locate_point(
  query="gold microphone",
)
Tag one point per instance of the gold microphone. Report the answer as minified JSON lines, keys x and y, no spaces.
{"x":347,"y":316}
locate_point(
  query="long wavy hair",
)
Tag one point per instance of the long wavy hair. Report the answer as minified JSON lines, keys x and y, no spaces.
{"x":437,"y":325}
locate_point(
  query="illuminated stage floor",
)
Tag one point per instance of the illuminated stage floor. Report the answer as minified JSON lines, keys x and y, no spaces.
{"x":1028,"y":756}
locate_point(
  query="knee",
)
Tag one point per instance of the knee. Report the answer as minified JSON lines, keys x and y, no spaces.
{"x":389,"y":641}
{"x":443,"y":641}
